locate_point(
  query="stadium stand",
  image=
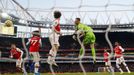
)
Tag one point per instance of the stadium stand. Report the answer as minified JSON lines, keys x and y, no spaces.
{"x":69,"y":48}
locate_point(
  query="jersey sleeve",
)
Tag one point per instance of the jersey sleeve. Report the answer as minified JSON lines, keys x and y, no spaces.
{"x":121,"y":48}
{"x":55,"y":23}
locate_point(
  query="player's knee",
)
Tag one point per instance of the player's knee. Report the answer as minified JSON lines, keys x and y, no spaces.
{"x":107,"y":65}
{"x":124,"y":64}
{"x":18,"y":66}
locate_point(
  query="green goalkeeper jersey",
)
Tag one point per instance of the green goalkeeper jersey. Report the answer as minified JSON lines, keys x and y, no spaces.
{"x":89,"y":36}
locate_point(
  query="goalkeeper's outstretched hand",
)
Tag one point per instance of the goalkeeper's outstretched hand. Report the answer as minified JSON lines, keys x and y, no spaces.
{"x":74,"y":36}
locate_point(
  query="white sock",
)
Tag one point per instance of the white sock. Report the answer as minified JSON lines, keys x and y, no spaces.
{"x":126,"y":66}
{"x":108,"y":69}
{"x":120,"y":70}
{"x":127,"y":69}
{"x":112,"y":70}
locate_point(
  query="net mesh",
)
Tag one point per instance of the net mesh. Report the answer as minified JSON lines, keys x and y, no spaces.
{"x":90,"y":11}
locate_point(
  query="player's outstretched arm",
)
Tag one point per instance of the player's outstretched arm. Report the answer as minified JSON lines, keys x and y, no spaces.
{"x":20,"y":51}
{"x":40,"y":43}
{"x":28,"y":42}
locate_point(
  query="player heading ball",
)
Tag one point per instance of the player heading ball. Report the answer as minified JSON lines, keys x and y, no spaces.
{"x":54,"y":38}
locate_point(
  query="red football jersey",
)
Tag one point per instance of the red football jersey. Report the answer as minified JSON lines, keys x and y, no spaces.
{"x":118,"y":51}
{"x":106,"y":56}
{"x":16,"y":54}
{"x":34,"y":44}
{"x":57,"y":24}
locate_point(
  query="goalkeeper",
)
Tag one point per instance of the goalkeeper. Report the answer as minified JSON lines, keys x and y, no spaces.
{"x":88,"y":36}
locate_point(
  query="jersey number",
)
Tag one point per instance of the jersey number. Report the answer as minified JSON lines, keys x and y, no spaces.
{"x":33,"y":42}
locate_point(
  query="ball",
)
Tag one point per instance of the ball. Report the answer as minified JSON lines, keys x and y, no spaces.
{"x":8,"y":23}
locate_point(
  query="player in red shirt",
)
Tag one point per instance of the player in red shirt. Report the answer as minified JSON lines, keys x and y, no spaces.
{"x":17,"y":54}
{"x":35,"y":44}
{"x":119,"y":57}
{"x":54,"y":38}
{"x":107,"y":61}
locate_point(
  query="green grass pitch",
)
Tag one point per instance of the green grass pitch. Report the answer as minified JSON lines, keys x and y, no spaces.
{"x":91,"y":73}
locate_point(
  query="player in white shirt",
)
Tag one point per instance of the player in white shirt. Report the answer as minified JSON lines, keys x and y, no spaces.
{"x":54,"y":39}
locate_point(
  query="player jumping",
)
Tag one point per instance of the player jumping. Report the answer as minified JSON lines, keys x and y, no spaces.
{"x":107,"y":61}
{"x":35,"y":44}
{"x":87,"y":33}
{"x":54,"y":39}
{"x":17,"y":54}
{"x":119,"y":57}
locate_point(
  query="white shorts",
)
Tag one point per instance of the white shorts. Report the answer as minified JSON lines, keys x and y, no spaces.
{"x":18,"y":62}
{"x":36,"y":56}
{"x":120,"y":60}
{"x":108,"y":63}
{"x":54,"y":38}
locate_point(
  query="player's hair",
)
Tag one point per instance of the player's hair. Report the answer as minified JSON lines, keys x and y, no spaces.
{"x":118,"y":42}
{"x":13,"y":44}
{"x":57,"y":14}
{"x":36,"y":33}
{"x":78,"y":19}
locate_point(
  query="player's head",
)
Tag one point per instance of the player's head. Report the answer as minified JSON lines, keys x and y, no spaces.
{"x":77,"y":21}
{"x":57,"y":14}
{"x":36,"y":33}
{"x":116,"y":43}
{"x":13,"y":46}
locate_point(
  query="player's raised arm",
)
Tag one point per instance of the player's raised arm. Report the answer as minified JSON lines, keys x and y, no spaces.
{"x":11,"y":55}
{"x":28,"y":42}
{"x":40,"y":41}
{"x":121,"y":49}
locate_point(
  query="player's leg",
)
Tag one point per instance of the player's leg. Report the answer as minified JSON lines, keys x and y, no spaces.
{"x":49,"y":60}
{"x":92,"y":45}
{"x":19,"y":64}
{"x":54,"y":40}
{"x":36,"y":59}
{"x":110,"y":66}
{"x":51,"y":53}
{"x":55,"y":53}
{"x":93,"y":51}
{"x":55,"y":47}
{"x":123,"y":62}
{"x":107,"y":66}
{"x":118,"y":63}
{"x":90,"y":38}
